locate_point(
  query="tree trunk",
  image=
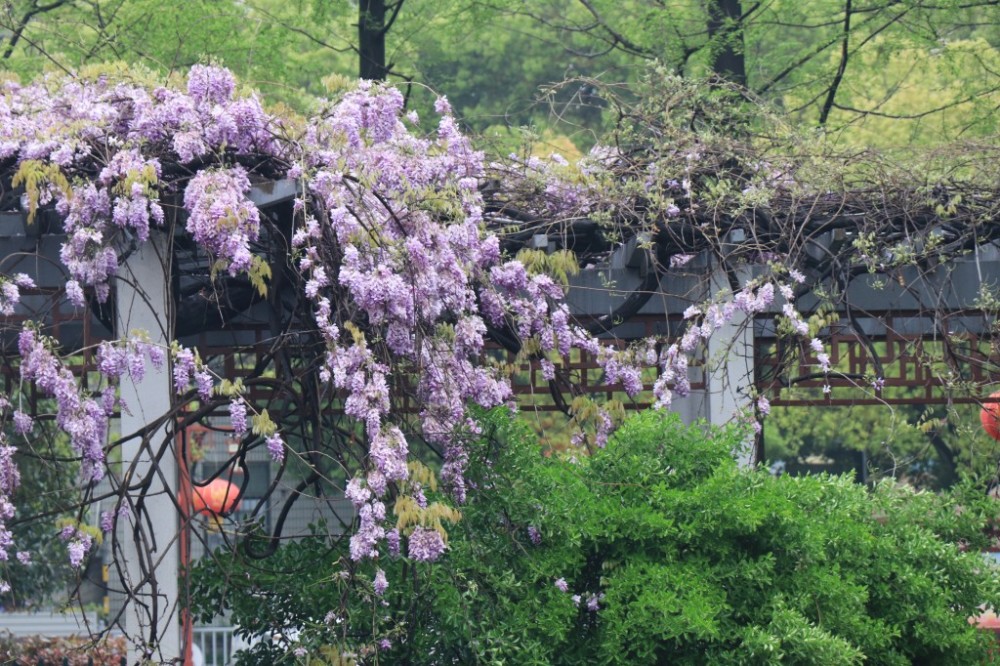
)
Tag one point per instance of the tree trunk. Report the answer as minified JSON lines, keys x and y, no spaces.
{"x":371,"y":39}
{"x":725,"y":29}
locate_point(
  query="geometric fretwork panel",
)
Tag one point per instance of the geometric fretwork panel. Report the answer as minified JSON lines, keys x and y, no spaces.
{"x":899,"y":358}
{"x":585,"y":377}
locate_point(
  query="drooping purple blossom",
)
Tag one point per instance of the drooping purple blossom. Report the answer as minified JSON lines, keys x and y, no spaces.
{"x":442,"y":105}
{"x":210,"y":85}
{"x":238,"y":416}
{"x":380,"y":584}
{"x":605,"y":426}
{"x":205,"y":384}
{"x":111,"y":360}
{"x":763,"y":405}
{"x":392,"y":541}
{"x":10,"y":476}
{"x":425,"y":545}
{"x":74,"y":294}
{"x":621,"y":369}
{"x":357,"y":492}
{"x":221,"y":217}
{"x":23,"y":424}
{"x":80,"y":416}
{"x":370,"y":531}
{"x":417,"y":492}
{"x":10,"y":296}
{"x":107,"y":521}
{"x":184,"y":368}
{"x":79,"y":544}
{"x":275,"y":447}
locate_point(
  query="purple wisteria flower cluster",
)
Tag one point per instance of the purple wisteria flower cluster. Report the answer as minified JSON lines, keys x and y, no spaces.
{"x":391,"y":223}
{"x":10,"y":291}
{"x":61,"y":132}
{"x":220,"y":216}
{"x":78,"y":543}
{"x":82,"y":416}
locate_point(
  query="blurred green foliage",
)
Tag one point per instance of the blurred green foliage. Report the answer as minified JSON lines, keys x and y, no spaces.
{"x":916,"y":72}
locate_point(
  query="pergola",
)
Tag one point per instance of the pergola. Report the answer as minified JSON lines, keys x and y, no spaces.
{"x":888,"y":272}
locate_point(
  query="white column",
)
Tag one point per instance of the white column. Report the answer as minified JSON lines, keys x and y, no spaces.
{"x":730,"y":376}
{"x":152,"y":615}
{"x":729,"y":371}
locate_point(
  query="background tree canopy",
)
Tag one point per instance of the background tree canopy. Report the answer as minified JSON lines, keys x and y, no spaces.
{"x":890,"y":73}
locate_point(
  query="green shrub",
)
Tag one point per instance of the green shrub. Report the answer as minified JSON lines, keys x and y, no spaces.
{"x":689,"y":559}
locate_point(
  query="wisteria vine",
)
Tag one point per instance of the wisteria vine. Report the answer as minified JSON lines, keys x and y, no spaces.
{"x":404,"y":282}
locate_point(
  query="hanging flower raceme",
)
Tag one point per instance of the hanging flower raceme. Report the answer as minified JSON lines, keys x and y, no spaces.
{"x":220,"y":216}
{"x":78,"y":414}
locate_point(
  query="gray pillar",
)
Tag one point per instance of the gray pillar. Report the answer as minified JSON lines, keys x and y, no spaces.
{"x":149,"y":557}
{"x":729,"y":371}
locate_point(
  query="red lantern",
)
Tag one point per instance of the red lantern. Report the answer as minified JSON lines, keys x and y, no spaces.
{"x":216,"y":497}
{"x":990,"y":416}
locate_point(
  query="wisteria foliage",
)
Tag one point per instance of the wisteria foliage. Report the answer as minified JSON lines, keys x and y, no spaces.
{"x":401,"y":275}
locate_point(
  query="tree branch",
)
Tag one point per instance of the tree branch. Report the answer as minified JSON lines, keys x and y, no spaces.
{"x":841,"y":68}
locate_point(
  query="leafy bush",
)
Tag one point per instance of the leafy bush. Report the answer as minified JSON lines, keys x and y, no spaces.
{"x":658,"y":549}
